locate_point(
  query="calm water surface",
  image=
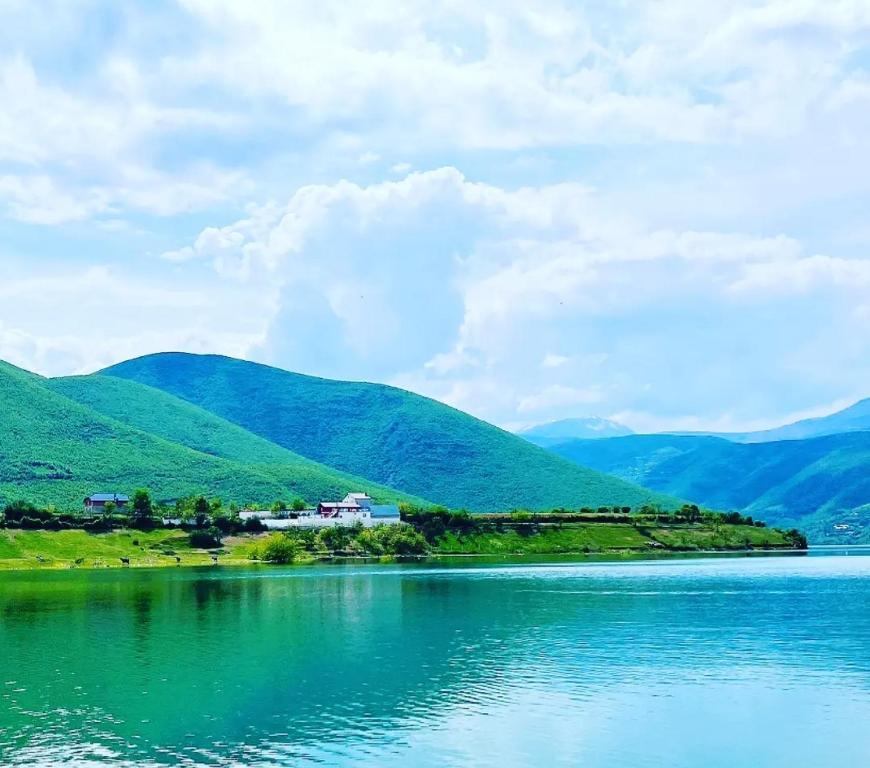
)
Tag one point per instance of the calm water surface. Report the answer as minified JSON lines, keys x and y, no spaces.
{"x":694,"y":663}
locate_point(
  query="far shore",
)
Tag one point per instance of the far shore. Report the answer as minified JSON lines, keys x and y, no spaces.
{"x":131,"y":549}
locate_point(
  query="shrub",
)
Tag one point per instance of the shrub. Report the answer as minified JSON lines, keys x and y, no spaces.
{"x":278,"y":549}
{"x":18,"y":510}
{"x":253,"y":525}
{"x":210,"y":538}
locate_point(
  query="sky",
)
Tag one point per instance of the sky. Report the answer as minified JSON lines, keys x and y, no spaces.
{"x":654,"y":212}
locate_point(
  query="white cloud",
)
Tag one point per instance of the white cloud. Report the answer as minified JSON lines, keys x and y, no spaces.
{"x":666,"y":211}
{"x":76,"y":321}
{"x":462,"y":289}
{"x":552,"y":360}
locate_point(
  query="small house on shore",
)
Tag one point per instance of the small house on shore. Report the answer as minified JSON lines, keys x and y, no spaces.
{"x":96,"y":503}
{"x":353,"y":508}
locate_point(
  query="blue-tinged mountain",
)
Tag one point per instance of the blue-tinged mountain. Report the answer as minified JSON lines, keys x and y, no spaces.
{"x":590,"y":428}
{"x":394,"y":437}
{"x":855,"y":418}
{"x":820,"y":484}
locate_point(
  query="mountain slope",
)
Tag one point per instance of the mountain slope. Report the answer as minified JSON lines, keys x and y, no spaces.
{"x":852,"y":419}
{"x":855,"y":418}
{"x":554,"y":432}
{"x":56,"y":450}
{"x":786,"y":482}
{"x":395,"y":437}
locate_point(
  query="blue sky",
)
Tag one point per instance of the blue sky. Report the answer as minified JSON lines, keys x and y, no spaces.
{"x":530,"y":210}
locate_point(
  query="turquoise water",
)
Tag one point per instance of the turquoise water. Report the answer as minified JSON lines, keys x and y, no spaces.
{"x":692,"y":663}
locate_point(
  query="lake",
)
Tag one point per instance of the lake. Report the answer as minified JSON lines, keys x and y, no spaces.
{"x":761,"y":661}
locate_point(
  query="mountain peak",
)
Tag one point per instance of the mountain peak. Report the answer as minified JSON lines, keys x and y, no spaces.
{"x":581,"y":428}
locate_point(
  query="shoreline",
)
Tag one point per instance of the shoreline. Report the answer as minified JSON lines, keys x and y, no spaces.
{"x":544,"y":558}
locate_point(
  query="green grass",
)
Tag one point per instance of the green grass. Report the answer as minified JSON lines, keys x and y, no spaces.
{"x":394,"y":437}
{"x":549,"y":540}
{"x":817,"y":481}
{"x":168,"y":548}
{"x":604,"y":537}
{"x":718,"y":537}
{"x":58,"y":450}
{"x":62,"y":549}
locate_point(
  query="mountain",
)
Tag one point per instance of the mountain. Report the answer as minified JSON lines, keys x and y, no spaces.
{"x":855,"y":418}
{"x":554,"y":432}
{"x":61,"y":441}
{"x":394,"y":437}
{"x":814,"y":483}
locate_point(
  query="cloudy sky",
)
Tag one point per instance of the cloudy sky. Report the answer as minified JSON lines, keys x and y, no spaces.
{"x":529,"y":209}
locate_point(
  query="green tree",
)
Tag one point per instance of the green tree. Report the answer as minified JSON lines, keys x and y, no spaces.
{"x":278,"y":549}
{"x":109,"y":508}
{"x":141,"y":507}
{"x":279,"y":506}
{"x":201,"y":510}
{"x":210,"y":538}
{"x":298,"y":505}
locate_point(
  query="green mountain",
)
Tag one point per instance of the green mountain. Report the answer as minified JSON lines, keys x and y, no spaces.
{"x":64,"y":439}
{"x":589,"y":428}
{"x":392,"y":436}
{"x":815,"y":484}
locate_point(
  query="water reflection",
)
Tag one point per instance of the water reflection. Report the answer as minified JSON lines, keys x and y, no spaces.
{"x":433,"y":666}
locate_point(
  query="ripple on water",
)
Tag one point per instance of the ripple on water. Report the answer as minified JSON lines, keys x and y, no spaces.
{"x":681,"y":663}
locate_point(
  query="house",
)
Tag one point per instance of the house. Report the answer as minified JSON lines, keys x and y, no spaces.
{"x":96,"y":503}
{"x":353,"y":508}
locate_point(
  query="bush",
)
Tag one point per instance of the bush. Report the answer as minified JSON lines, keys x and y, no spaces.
{"x":210,"y":538}
{"x":401,"y":539}
{"x":18,"y":510}
{"x":100,"y":525}
{"x":278,"y":549}
{"x":253,"y":525}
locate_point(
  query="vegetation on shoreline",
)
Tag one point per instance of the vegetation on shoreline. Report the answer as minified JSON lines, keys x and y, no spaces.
{"x":38,"y":538}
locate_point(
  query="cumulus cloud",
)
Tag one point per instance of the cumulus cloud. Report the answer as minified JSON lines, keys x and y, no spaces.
{"x":462,"y":290}
{"x":656,"y":213}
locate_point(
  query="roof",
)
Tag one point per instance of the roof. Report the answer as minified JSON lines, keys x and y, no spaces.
{"x":357,"y":496}
{"x":384,"y":510}
{"x":107,"y":497}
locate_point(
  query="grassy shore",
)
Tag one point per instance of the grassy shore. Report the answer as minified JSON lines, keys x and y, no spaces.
{"x":605,"y":537}
{"x":22,"y":550}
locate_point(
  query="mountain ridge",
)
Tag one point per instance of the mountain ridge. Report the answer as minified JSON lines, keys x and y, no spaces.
{"x":397,"y":438}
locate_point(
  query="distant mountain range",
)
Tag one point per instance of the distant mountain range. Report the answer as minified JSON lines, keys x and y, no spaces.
{"x":554,"y":432}
{"x":855,"y":418}
{"x":181,"y":424}
{"x":819,"y":484}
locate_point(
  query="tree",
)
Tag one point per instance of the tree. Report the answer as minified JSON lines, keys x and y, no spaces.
{"x":207,"y":539}
{"x":141,"y":507}
{"x":277,"y":548}
{"x":279,"y":506}
{"x":298,"y":505}
{"x":109,"y":508}
{"x":201,"y":510}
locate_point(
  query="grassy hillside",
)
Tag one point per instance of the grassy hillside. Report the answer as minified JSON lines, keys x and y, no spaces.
{"x":56,"y":450}
{"x":813,"y":483}
{"x":395,"y":437}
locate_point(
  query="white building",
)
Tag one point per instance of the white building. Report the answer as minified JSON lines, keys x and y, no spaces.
{"x":353,"y":508}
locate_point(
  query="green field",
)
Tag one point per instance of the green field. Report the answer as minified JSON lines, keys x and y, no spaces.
{"x":603,"y":537}
{"x":394,"y":437}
